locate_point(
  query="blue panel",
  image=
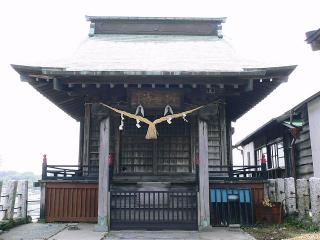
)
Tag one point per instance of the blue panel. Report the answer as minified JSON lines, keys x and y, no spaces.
{"x":220,"y":195}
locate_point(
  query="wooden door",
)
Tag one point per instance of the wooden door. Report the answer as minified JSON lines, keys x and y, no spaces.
{"x":169,"y":154}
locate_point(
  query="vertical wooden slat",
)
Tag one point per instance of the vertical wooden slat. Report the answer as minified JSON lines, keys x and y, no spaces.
{"x":70,"y":202}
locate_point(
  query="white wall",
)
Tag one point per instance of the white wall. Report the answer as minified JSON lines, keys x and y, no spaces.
{"x":248,"y":150}
{"x":314,"y":125}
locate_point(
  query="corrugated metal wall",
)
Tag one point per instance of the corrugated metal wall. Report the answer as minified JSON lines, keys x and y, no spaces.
{"x":71,"y":202}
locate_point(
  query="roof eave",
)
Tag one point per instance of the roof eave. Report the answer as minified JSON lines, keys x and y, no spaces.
{"x":253,"y":72}
{"x":97,"y":18}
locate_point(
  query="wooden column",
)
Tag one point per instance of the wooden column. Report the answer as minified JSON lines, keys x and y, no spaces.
{"x":43,"y":201}
{"x":86,"y":137}
{"x":103,"y":198}
{"x":81,"y":133}
{"x":204,"y":210}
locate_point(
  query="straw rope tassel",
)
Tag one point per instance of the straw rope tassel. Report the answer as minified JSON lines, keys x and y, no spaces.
{"x":152,"y":132}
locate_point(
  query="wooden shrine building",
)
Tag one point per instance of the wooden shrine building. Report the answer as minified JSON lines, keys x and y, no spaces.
{"x":136,"y":171}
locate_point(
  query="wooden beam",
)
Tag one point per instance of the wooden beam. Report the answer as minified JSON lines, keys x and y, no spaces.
{"x":204,"y":210}
{"x":103,"y":190}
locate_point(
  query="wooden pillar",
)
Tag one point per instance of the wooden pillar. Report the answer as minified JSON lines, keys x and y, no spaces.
{"x":86,"y":138}
{"x":81,"y":132}
{"x":204,"y":210}
{"x":42,"y":201}
{"x":223,"y":135}
{"x":103,"y":191}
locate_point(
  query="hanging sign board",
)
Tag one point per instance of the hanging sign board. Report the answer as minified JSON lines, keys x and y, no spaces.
{"x":155,"y":98}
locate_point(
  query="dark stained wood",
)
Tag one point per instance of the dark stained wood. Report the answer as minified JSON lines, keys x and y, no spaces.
{"x":86,"y":138}
{"x":71,"y":202}
{"x":155,"y":98}
{"x":156,"y":26}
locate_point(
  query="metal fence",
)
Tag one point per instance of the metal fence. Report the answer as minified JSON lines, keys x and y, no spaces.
{"x":153,"y":210}
{"x":231,"y":206}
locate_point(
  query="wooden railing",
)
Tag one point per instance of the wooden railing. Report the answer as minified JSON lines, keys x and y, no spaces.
{"x":223,"y":172}
{"x":229,"y":172}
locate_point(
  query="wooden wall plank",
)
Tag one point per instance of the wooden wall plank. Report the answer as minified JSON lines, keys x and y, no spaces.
{"x":65,"y":202}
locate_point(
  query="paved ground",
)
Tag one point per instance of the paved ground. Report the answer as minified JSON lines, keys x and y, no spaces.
{"x":32,"y":231}
{"x":37,"y":231}
{"x":85,"y":232}
{"x":215,"y":234}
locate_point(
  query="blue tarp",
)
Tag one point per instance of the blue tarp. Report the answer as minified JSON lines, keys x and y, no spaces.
{"x":220,"y":195}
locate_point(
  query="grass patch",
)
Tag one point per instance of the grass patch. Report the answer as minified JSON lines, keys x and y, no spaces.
{"x":7,"y":224}
{"x":292,"y":227}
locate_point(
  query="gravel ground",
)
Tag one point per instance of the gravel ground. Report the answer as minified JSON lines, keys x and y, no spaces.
{"x":309,"y":236}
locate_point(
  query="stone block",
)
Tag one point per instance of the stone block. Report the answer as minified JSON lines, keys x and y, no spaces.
{"x":280,"y":194}
{"x":315,"y":198}
{"x":290,"y":195}
{"x":271,"y":186}
{"x":303,"y":197}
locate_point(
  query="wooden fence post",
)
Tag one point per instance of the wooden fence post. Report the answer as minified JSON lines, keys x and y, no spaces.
{"x":10,"y":200}
{"x":44,"y":166}
{"x":23,"y":198}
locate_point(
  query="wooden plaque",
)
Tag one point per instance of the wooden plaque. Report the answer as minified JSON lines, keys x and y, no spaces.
{"x":155,"y":98}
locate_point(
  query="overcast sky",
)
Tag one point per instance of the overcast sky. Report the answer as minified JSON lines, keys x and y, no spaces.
{"x":38,"y":31}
